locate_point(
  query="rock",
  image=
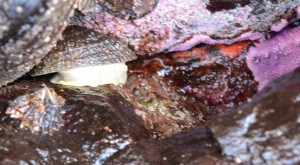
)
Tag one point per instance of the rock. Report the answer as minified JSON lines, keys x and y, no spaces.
{"x":124,"y":9}
{"x":186,"y":147}
{"x":100,"y":127}
{"x":92,"y":131}
{"x":176,"y":91}
{"x":180,"y":25}
{"x":141,"y":121}
{"x":27,"y":32}
{"x":266,"y":130}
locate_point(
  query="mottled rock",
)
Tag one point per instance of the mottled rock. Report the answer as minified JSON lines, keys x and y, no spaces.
{"x":141,"y":121}
{"x":186,"y":147}
{"x":92,"y":131}
{"x":124,"y":9}
{"x":180,"y":25}
{"x":172,"y":92}
{"x":266,"y":130}
{"x":28,"y":30}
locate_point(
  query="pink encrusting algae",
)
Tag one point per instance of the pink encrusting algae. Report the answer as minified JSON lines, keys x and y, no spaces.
{"x":275,"y":57}
{"x":179,"y":25}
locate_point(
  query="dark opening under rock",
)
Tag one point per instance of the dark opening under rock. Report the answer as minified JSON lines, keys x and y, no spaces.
{"x":266,"y":130}
{"x":218,"y":5}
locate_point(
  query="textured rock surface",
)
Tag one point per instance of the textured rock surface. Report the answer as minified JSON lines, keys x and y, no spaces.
{"x":180,"y":90}
{"x":27,"y":32}
{"x":124,"y":9}
{"x":275,"y":57}
{"x":141,"y":122}
{"x":93,"y":129}
{"x":266,"y":130}
{"x":182,"y":148}
{"x":100,"y":126}
{"x":82,"y":47}
{"x":180,"y":25}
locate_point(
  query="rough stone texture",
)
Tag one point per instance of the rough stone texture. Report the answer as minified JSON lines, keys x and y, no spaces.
{"x":175,"y":91}
{"x":93,"y":130}
{"x":140,"y":122}
{"x":124,"y":9}
{"x":101,"y":128}
{"x":276,"y":56}
{"x":266,"y":130}
{"x":82,"y":47}
{"x":179,"y":25}
{"x":27,"y":32}
{"x":182,"y":148}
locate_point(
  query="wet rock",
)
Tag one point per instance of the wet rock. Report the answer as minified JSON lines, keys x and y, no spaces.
{"x":28,"y":30}
{"x":100,"y":127}
{"x":180,"y":25}
{"x":188,"y":147}
{"x":92,"y":131}
{"x":266,"y":130}
{"x":172,"y":92}
{"x":142,"y":120}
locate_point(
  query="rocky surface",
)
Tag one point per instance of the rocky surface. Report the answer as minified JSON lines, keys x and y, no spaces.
{"x":266,"y":130}
{"x":124,"y":9}
{"x":153,"y":119}
{"x":101,"y":128}
{"x":27,"y":32}
{"x":180,"y":25}
{"x":93,"y":131}
{"x":186,"y":147}
{"x":180,"y":90}
{"x":159,"y":117}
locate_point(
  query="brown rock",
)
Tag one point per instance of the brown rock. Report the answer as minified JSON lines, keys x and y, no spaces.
{"x":266,"y":130}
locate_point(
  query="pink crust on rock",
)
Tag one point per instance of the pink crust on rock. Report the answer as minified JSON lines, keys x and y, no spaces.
{"x":284,"y":23}
{"x":275,"y":57}
{"x":196,"y":39}
{"x":279,"y":25}
{"x":174,"y":22}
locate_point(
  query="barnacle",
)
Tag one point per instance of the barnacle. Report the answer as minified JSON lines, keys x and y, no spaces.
{"x":40,"y":111}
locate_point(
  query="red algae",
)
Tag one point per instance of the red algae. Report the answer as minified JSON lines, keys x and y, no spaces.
{"x":232,"y":50}
{"x":215,"y":75}
{"x":180,"y":90}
